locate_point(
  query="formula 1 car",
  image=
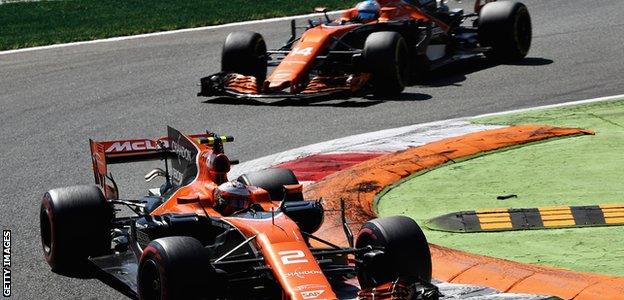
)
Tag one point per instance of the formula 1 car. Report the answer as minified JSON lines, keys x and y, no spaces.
{"x":201,"y":236}
{"x":382,"y":52}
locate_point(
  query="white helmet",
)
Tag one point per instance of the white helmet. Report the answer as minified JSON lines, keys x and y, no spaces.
{"x":231,"y":197}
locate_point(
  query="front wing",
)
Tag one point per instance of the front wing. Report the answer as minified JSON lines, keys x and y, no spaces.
{"x":239,"y":86}
{"x":123,"y":267}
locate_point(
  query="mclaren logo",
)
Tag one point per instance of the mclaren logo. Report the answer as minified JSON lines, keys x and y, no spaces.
{"x":125,"y":146}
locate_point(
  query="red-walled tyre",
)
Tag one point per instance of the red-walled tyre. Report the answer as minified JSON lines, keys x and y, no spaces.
{"x":75,"y":223}
{"x":406,"y":251}
{"x":176,"y":267}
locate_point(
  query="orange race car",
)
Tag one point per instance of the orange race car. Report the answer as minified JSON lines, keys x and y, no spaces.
{"x":202,"y":236}
{"x":377,"y":47}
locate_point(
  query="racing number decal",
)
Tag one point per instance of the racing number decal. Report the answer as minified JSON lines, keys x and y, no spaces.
{"x":307,"y":51}
{"x":292,"y":257}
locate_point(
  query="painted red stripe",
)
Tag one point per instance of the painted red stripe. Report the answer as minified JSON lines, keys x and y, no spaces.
{"x":315,"y":167}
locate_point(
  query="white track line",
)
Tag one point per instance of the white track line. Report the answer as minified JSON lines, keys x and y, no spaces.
{"x":160,"y":33}
{"x":608,"y":98}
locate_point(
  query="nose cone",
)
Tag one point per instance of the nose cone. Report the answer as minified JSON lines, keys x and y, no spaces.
{"x":276,"y":84}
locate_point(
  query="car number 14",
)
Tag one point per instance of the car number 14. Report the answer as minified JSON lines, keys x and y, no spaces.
{"x":307,"y":51}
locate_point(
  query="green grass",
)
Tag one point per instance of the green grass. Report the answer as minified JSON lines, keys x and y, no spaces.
{"x":28,"y":24}
{"x":582,"y":170}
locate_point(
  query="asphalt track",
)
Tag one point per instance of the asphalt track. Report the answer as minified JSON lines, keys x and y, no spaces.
{"x":54,"y":100}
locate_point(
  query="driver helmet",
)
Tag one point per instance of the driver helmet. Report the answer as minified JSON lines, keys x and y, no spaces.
{"x":367,"y":10}
{"x":231,"y":197}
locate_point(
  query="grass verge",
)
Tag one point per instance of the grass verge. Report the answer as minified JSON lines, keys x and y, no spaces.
{"x":574,"y":171}
{"x":28,"y":24}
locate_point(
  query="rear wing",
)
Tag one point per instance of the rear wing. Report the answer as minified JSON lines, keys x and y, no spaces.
{"x":104,"y":153}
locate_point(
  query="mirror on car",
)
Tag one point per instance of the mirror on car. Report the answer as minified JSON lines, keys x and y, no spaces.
{"x":322,"y":10}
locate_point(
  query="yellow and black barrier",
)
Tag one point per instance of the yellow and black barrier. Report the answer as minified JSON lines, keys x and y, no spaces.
{"x":529,"y":218}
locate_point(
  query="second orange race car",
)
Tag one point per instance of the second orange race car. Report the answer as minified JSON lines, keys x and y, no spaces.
{"x":378,"y":47}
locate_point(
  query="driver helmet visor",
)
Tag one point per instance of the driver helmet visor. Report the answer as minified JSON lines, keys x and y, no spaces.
{"x":367,"y":15}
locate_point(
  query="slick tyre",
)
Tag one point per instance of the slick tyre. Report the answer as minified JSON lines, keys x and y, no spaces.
{"x":271,"y":180}
{"x":385,"y":54}
{"x":406,"y":251}
{"x":245,"y":53}
{"x":505,"y":26}
{"x":75,"y":223}
{"x":176,"y":267}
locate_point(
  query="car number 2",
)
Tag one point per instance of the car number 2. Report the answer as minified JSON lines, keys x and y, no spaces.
{"x":292,"y":257}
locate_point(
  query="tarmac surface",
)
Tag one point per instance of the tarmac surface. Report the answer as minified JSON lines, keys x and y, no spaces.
{"x":54,"y":100}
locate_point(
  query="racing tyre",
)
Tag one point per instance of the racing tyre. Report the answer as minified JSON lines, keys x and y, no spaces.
{"x":385,"y":54}
{"x":506,"y":27}
{"x":75,"y":223}
{"x":406,"y":252}
{"x":176,"y":267}
{"x":245,"y":53}
{"x":271,"y":180}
